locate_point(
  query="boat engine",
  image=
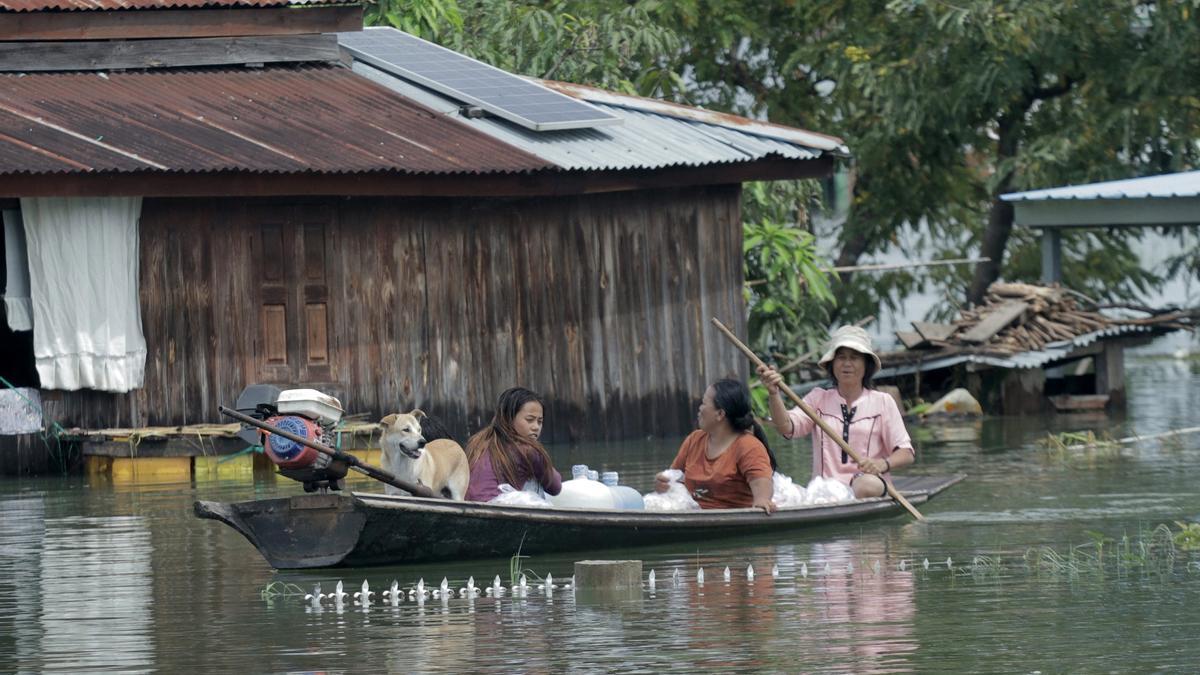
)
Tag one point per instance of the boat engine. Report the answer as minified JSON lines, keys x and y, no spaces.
{"x":307,"y":413}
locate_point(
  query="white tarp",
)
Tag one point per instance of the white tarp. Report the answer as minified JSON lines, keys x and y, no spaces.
{"x":17,"y":306}
{"x":20,"y":411}
{"x":83,"y":272}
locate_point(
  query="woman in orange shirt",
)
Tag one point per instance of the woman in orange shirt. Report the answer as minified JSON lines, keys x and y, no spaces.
{"x":726,"y":463}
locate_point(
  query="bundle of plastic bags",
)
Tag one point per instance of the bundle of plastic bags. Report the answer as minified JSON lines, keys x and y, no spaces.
{"x":676,"y":498}
{"x":510,"y":496}
{"x":787,"y":493}
{"x":828,"y":491}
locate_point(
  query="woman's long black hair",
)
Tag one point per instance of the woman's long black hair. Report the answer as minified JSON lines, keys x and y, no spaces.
{"x":733,"y":397}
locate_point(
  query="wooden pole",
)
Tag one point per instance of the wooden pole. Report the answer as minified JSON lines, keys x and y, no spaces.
{"x":356,"y":464}
{"x":891,"y":490}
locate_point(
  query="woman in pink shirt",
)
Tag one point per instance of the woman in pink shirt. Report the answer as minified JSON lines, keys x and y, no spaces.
{"x":869,"y":420}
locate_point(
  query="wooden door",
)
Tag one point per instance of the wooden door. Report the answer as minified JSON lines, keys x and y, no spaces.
{"x":291,"y":257}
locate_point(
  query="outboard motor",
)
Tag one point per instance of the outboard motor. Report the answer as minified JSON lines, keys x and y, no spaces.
{"x":307,"y":413}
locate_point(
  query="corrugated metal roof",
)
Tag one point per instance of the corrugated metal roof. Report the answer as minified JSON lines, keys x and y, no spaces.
{"x":322,"y":119}
{"x":1186,"y":184}
{"x":104,"y":5}
{"x":804,"y":137}
{"x":644,"y":140}
{"x":1053,"y":351}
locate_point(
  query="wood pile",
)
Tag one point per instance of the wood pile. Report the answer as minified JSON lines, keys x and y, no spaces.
{"x":1018,"y":317}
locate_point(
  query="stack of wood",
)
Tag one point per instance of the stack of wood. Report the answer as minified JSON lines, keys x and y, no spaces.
{"x":1016,"y":318}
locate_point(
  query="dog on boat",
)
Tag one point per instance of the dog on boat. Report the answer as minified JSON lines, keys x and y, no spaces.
{"x":439,"y":464}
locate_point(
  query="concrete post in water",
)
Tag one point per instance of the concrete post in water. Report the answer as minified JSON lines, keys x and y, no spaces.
{"x":608,"y":574}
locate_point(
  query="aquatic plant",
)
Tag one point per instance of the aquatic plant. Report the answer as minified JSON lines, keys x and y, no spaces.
{"x":281,"y":589}
{"x":1188,"y":537}
{"x":1154,"y":551}
{"x":515,"y":569}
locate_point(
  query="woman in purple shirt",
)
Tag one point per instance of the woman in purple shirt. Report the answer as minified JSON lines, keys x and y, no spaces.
{"x":507,"y":450}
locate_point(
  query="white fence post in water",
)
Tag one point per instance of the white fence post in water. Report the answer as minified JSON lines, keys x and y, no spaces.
{"x":608,"y":574}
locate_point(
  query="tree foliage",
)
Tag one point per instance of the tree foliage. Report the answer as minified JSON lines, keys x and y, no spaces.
{"x":947,"y":105}
{"x":605,"y":43}
{"x":787,"y":287}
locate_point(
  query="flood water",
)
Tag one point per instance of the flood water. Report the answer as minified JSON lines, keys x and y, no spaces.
{"x":102,"y":578}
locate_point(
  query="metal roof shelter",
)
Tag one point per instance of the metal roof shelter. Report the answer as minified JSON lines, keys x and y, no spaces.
{"x":1170,"y":200}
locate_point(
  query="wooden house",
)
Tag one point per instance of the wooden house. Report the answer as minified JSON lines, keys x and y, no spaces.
{"x":289,"y":214}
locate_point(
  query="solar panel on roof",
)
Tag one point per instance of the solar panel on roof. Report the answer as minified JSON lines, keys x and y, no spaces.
{"x":473,"y":82}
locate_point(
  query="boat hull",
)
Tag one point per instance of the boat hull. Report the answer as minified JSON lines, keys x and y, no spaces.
{"x":367,"y":529}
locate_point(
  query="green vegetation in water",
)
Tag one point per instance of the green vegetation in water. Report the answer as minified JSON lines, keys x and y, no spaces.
{"x":1155,"y":551}
{"x":919,"y":408}
{"x":516,"y":568}
{"x":280,"y":589}
{"x":1080,"y":448}
{"x":1188,"y":538}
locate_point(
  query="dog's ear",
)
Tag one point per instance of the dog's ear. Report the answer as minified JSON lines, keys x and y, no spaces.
{"x":389,"y":420}
{"x":418,"y":413}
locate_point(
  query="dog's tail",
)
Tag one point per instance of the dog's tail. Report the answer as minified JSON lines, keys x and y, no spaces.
{"x":432,"y":429}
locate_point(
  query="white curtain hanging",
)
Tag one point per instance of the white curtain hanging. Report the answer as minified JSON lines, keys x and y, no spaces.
{"x":17,"y":306}
{"x":83,"y":272}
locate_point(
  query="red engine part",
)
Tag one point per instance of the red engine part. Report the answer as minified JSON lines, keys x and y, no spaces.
{"x":289,"y":454}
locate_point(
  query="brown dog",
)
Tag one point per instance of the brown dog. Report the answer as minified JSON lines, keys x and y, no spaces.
{"x":440,"y":465}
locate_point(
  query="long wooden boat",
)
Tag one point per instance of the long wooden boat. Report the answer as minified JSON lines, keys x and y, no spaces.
{"x":365,"y":529}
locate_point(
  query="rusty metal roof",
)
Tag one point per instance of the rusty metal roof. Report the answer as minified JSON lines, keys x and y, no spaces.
{"x":318,"y":119}
{"x":106,"y":5}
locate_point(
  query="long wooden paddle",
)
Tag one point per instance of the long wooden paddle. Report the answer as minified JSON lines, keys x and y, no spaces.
{"x":807,"y":409}
{"x":354,"y":462}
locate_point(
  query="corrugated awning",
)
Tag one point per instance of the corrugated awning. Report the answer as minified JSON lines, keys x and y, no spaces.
{"x":313,"y":119}
{"x":1168,"y":200}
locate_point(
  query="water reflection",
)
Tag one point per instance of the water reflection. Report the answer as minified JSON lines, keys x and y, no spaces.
{"x":22,"y":531}
{"x":76,"y":593}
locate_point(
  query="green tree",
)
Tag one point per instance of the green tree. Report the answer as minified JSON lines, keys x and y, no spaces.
{"x":604,"y":43}
{"x":787,"y":287}
{"x":948,"y":105}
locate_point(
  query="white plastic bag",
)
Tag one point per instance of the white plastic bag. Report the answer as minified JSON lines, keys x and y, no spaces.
{"x":828,"y":491}
{"x":510,"y":496}
{"x":786,"y":492}
{"x":676,"y":498}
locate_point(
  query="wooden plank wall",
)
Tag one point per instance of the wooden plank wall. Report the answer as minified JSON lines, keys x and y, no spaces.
{"x":599,"y":302}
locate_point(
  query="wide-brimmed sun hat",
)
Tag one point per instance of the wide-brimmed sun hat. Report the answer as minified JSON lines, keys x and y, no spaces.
{"x":851,"y":337}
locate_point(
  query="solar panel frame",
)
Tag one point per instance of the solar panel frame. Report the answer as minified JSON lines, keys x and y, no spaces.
{"x":515,"y":99}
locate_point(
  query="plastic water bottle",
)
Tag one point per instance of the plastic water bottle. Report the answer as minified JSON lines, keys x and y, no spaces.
{"x":593,"y":475}
{"x":624,"y":496}
{"x":579,"y":471}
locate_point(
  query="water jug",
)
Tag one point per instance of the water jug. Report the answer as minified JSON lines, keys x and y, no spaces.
{"x":624,"y":496}
{"x":582,"y":493}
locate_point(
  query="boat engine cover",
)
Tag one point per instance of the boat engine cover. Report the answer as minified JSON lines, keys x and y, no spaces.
{"x":289,"y":454}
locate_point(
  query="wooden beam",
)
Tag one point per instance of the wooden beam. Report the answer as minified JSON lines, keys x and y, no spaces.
{"x":31,"y":57}
{"x":934,"y":331}
{"x":911,"y":340}
{"x":185,"y":23}
{"x":995,"y":321}
{"x":244,"y":184}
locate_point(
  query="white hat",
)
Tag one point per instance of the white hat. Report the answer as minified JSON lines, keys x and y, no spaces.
{"x":851,"y":337}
